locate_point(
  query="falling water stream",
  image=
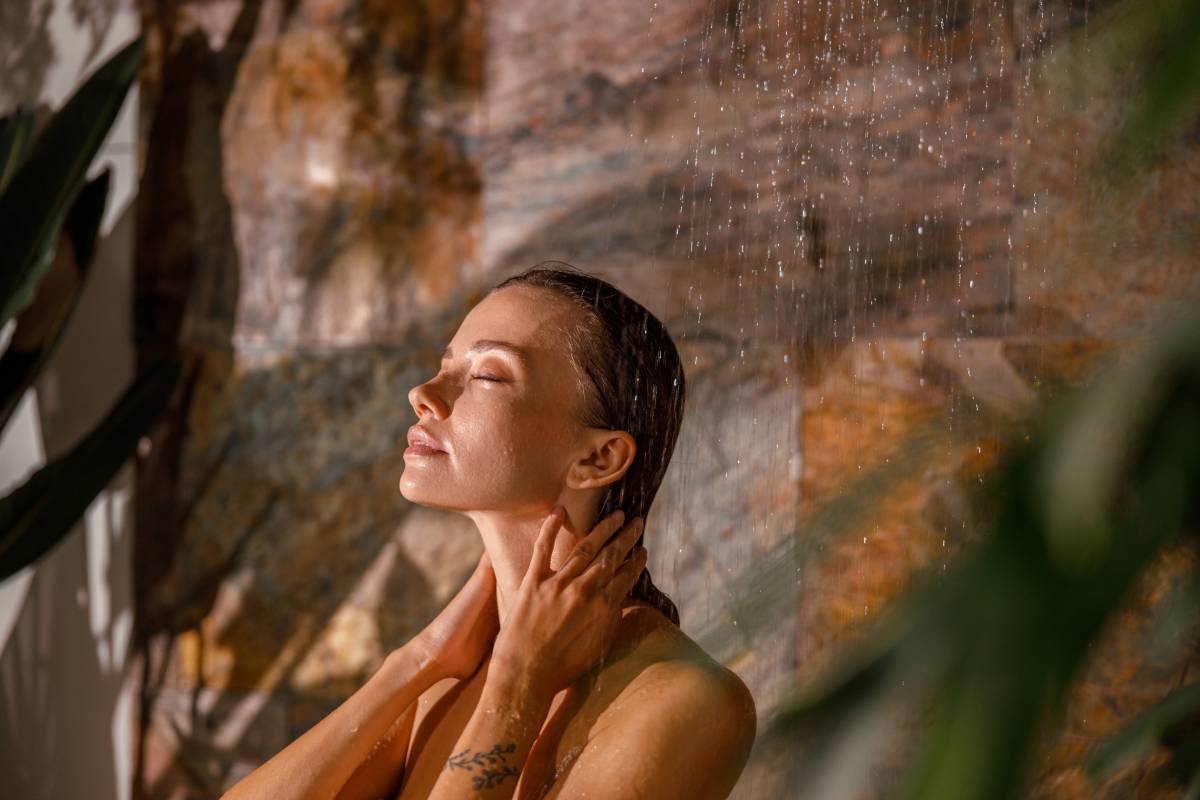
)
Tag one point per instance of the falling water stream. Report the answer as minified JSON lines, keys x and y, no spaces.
{"x":872,"y":227}
{"x":852,"y":216}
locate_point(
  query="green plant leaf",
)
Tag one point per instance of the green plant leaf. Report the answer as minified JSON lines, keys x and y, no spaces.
{"x":997,"y":641}
{"x":1157,"y":38}
{"x":46,"y":507}
{"x":1036,"y":613}
{"x":35,"y":202}
{"x":82,"y":225}
{"x":41,"y":324}
{"x":15,"y":129}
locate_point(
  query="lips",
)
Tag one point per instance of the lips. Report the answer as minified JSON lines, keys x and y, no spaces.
{"x":419,"y":436}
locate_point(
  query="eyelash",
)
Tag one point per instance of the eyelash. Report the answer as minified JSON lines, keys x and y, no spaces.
{"x":488,"y":378}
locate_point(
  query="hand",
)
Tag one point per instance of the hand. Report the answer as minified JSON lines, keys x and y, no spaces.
{"x":562,"y":622}
{"x":458,"y":638}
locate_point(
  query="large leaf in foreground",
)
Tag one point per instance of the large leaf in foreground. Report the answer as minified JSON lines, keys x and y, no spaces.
{"x":993,"y":646}
{"x":15,"y":130}
{"x":41,"y":324}
{"x":46,"y":507}
{"x":1156,"y":41}
{"x":35,"y":202}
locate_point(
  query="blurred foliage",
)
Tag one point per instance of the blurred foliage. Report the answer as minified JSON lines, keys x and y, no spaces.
{"x":1159,"y":41}
{"x":1079,"y":508}
{"x":987,"y":651}
{"x":1110,"y":476}
{"x":50,"y":217}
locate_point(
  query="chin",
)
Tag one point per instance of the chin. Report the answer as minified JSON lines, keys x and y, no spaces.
{"x":417,"y":490}
{"x":412,"y":490}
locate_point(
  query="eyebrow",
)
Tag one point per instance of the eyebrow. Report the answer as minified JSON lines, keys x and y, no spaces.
{"x":492,"y":344}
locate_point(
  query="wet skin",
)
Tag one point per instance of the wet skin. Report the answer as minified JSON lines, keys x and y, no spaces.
{"x":659,"y":718}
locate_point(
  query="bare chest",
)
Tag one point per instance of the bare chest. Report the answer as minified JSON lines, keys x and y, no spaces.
{"x":572,"y":717}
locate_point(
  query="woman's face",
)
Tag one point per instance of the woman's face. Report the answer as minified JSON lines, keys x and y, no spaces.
{"x":505,"y":419}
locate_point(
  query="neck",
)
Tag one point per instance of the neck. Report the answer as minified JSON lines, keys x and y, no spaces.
{"x":509,"y":540}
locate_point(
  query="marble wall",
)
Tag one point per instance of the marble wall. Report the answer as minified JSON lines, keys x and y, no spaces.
{"x":853,"y":220}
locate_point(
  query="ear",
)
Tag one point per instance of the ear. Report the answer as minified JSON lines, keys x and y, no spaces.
{"x":605,"y":458}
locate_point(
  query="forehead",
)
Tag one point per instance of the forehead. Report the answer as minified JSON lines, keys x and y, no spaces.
{"x":529,"y":317}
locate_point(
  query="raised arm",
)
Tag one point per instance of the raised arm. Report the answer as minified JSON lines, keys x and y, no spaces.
{"x":358,"y":751}
{"x":382,"y":774}
{"x":321,"y":761}
{"x":557,"y":632}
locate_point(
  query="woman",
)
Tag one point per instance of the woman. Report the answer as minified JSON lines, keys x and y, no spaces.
{"x":559,"y":669}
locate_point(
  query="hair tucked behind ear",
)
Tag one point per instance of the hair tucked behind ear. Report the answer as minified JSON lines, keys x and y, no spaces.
{"x":631,"y":379}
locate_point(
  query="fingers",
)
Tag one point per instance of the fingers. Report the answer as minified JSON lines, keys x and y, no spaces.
{"x":626,"y":576}
{"x":587,"y":548}
{"x":602,"y":569}
{"x":544,"y":544}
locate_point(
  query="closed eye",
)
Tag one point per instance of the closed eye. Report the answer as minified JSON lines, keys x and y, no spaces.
{"x":492,"y":378}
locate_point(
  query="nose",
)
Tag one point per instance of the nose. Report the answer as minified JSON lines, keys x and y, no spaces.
{"x":424,"y":399}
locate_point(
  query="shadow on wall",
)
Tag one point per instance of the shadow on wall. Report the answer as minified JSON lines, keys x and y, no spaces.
{"x":183,"y":132}
{"x":61,"y":687}
{"x":62,"y":661}
{"x":62,"y":668}
{"x":27,"y":49}
{"x":299,"y":566}
{"x":267,"y":507}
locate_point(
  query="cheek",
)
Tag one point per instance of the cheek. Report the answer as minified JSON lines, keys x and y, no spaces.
{"x":487,"y":432}
{"x":524,"y":441}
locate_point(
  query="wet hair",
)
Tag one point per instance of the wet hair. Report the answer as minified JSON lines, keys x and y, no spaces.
{"x":631,"y":379}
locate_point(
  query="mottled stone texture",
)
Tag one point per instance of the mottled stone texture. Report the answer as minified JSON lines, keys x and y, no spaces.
{"x":309,"y":222}
{"x":853,"y":225}
{"x":363,"y":211}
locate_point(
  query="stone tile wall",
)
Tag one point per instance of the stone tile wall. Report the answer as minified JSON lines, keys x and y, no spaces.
{"x":853,"y":225}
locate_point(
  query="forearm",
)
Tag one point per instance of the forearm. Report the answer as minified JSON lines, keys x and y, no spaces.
{"x":383,"y":771}
{"x":487,"y":760}
{"x":321,"y":760}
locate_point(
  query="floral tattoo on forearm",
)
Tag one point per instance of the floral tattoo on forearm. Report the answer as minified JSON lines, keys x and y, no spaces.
{"x":494,"y":765}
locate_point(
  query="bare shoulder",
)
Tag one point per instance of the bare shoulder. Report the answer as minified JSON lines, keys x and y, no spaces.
{"x":675,"y":678}
{"x":681,"y":727}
